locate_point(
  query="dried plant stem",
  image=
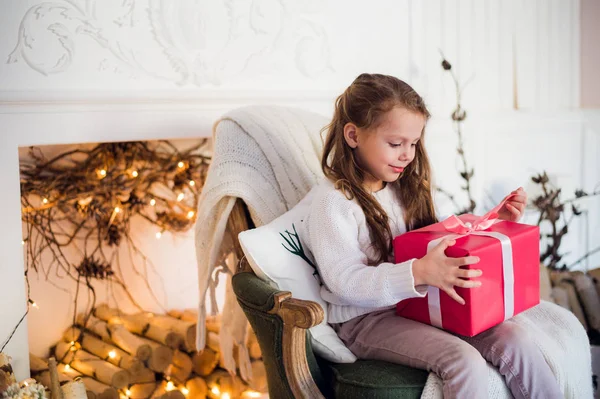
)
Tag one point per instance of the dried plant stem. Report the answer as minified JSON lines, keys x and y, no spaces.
{"x":552,"y":210}
{"x":458,"y":117}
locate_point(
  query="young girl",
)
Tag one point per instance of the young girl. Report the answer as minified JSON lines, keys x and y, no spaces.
{"x":378,"y":186}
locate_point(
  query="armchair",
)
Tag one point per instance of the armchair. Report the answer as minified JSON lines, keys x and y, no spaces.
{"x":281,"y":324}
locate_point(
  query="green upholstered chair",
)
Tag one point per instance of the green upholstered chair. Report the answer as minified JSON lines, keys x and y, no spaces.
{"x":281,"y":324}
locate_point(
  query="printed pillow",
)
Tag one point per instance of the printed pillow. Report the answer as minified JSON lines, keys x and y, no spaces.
{"x":277,"y":255}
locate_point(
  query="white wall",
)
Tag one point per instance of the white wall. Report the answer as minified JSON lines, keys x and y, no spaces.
{"x":94,"y":71}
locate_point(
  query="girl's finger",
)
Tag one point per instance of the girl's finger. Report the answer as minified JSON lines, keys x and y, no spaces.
{"x":513,"y":210}
{"x":445,"y":243}
{"x":452,"y":293}
{"x":467,"y":283}
{"x":466,"y":273}
{"x":467,"y":260}
{"x":517,"y":204}
{"x":519,"y":199}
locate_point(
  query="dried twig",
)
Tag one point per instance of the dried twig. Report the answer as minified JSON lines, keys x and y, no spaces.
{"x":84,"y":199}
{"x":458,"y":116}
{"x":552,"y":210}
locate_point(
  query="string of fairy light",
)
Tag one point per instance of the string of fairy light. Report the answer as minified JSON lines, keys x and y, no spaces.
{"x":85,"y":198}
{"x":96,"y":191}
{"x":88,"y":197}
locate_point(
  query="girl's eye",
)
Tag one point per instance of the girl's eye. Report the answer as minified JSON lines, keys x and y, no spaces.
{"x":395,"y":145}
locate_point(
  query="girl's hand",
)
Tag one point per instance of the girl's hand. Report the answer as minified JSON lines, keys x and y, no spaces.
{"x":513,"y":209}
{"x":438,"y":270}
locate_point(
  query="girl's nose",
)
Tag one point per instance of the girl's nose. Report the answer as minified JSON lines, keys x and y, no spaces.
{"x":404,"y":156}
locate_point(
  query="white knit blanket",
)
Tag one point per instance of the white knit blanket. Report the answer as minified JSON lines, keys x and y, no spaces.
{"x":564,"y":343}
{"x":270,"y":157}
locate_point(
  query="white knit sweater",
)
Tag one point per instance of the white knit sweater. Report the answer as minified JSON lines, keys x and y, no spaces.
{"x":339,"y":240}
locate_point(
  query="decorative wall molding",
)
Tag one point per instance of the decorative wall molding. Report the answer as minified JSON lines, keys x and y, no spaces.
{"x":186,"y":42}
{"x":515,"y":53}
{"x":207,"y":96}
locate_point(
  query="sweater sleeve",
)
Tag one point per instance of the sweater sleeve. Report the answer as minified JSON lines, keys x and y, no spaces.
{"x":343,"y":266}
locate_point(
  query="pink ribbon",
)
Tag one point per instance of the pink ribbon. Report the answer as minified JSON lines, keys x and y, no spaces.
{"x":467,"y":224}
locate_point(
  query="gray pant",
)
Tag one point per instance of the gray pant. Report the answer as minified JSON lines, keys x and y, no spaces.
{"x":459,"y":361}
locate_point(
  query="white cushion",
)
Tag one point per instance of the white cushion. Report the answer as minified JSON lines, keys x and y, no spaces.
{"x":265,"y":249}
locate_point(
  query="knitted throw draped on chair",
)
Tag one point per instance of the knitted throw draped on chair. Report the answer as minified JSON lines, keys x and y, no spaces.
{"x":270,"y":158}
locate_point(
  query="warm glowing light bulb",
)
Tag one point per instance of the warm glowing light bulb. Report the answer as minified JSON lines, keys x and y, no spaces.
{"x":72,"y":343}
{"x":112,"y":354}
{"x":128,"y":392}
{"x":152,"y":202}
{"x":22,"y":242}
{"x":181,"y":164}
{"x":134,"y":173}
{"x":191,"y":214}
{"x":101,"y":173}
{"x":225,"y":396}
{"x":35,"y":305}
{"x":215,"y":390}
{"x":185,"y":391}
{"x":26,"y":383}
{"x":67,"y":367}
{"x":170,"y":386}
{"x":192,"y":183}
{"x":252,"y":394}
{"x":180,"y":197}
{"x":158,"y":235}
{"x":117,"y":209}
{"x":45,"y":200}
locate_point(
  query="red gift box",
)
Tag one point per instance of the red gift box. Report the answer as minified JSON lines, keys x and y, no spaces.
{"x":509,"y":258}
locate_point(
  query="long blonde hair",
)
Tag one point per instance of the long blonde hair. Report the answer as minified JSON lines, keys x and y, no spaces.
{"x":364,"y":103}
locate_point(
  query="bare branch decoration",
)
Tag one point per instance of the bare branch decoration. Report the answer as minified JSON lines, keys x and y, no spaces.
{"x":458,"y":116}
{"x":85,"y":199}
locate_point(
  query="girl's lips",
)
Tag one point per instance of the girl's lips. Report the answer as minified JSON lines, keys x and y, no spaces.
{"x":397,"y":170}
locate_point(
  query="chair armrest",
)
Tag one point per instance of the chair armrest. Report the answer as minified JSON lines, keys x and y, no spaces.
{"x":298,"y":316}
{"x":260,"y":301}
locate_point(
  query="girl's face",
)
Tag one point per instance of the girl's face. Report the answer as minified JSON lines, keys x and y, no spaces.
{"x":386,"y":150}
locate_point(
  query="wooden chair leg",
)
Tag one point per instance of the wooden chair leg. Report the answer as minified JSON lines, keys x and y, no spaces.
{"x":297,"y":315}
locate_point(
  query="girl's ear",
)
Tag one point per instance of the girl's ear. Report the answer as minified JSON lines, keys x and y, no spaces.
{"x":351,"y":135}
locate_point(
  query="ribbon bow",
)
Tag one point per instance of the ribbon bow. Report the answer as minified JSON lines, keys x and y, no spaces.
{"x":467,"y":224}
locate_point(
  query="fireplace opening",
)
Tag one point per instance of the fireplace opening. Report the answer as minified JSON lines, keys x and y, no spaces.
{"x":110,"y":271}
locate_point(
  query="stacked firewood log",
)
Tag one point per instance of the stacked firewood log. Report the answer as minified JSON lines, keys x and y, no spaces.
{"x":147,"y":355}
{"x":579,"y":292}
